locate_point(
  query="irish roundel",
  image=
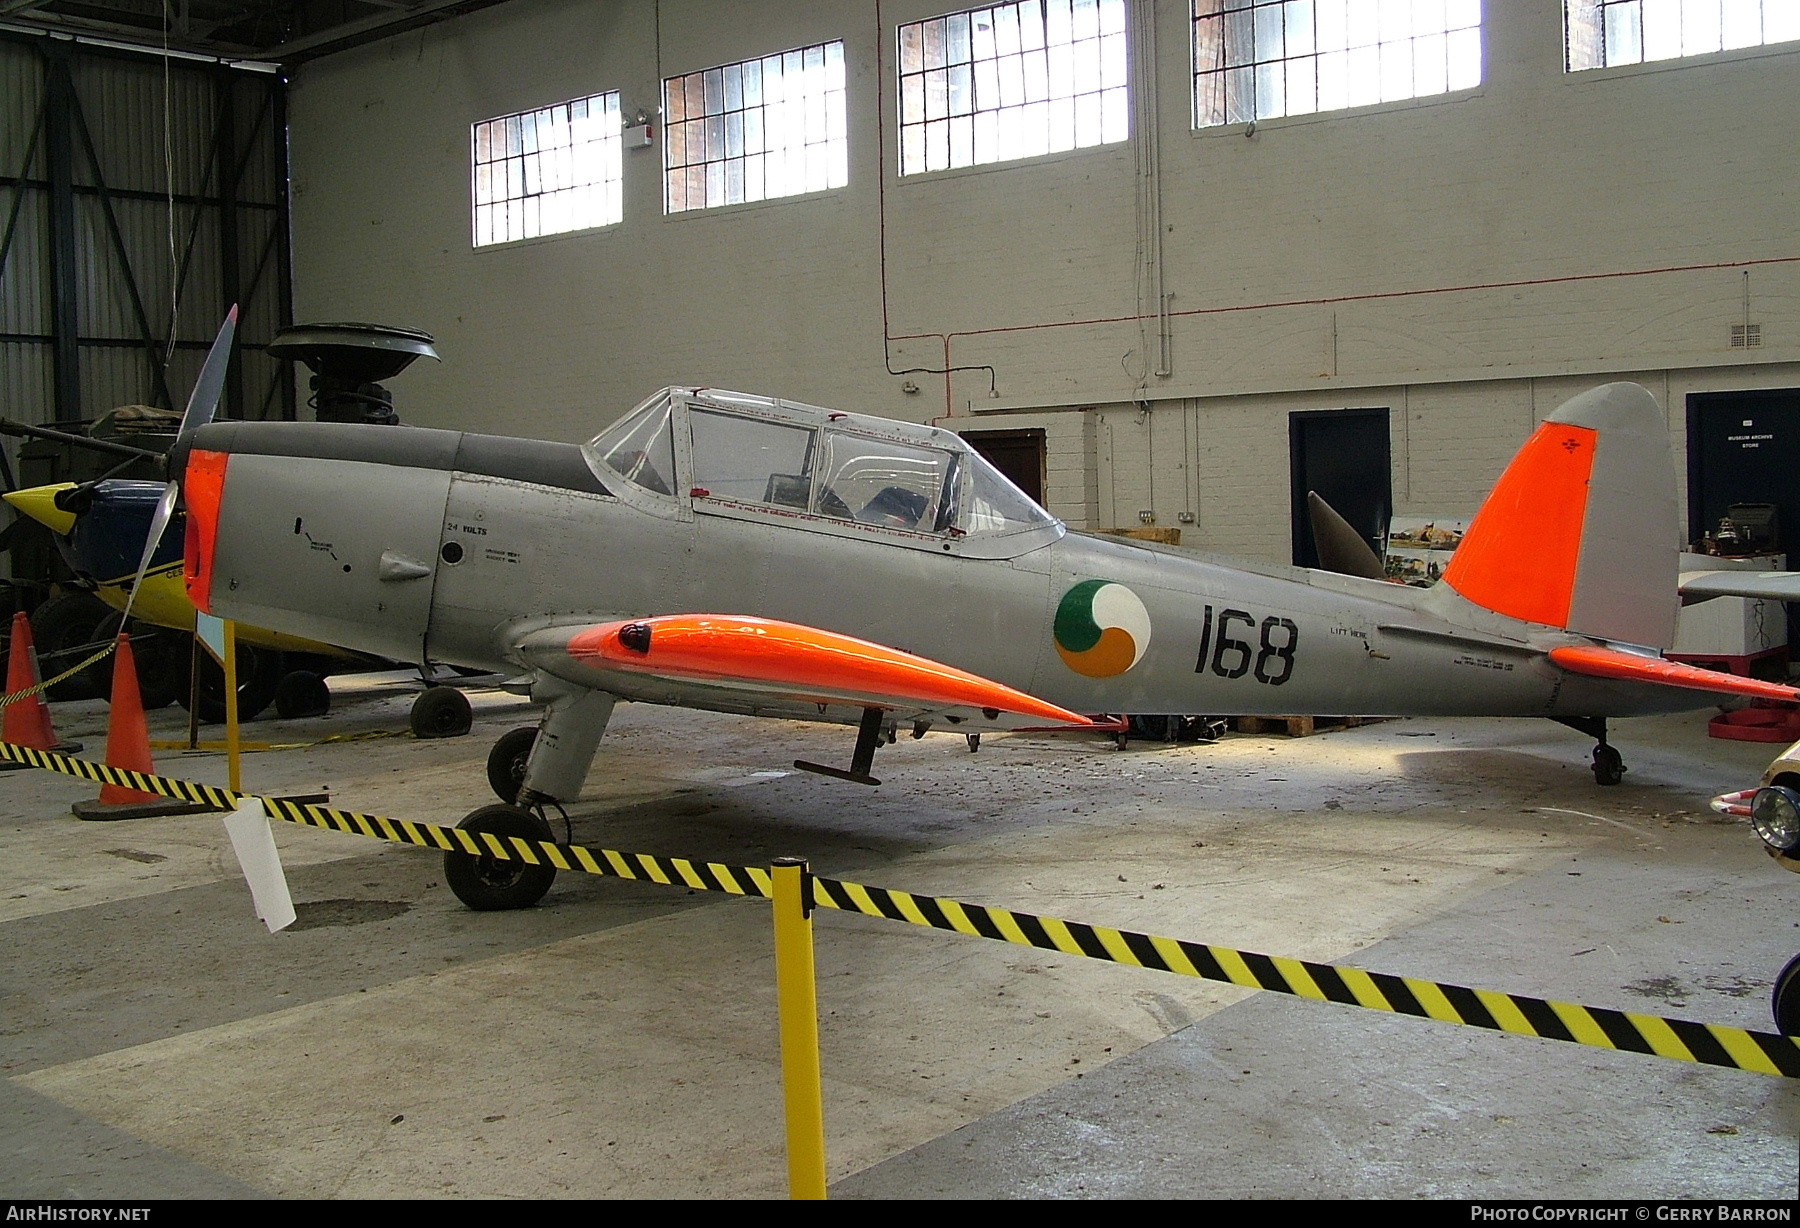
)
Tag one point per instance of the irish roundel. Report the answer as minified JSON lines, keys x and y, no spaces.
{"x":1102,"y":629}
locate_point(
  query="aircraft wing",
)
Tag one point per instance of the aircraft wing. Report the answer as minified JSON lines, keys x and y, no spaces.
{"x":742,"y":664}
{"x":1762,"y":585}
{"x":1598,"y":662}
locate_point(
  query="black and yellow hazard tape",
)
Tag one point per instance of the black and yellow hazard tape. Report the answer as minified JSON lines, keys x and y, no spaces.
{"x":37,"y":688}
{"x":1597,"y":1027}
{"x":215,"y":746}
{"x":668,"y":871}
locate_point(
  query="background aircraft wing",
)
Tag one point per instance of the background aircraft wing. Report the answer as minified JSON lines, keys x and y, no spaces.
{"x":1599,"y":662}
{"x":1762,"y":585}
{"x":736,"y":663}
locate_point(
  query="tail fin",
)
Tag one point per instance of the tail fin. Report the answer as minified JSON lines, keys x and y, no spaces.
{"x":1580,"y":531}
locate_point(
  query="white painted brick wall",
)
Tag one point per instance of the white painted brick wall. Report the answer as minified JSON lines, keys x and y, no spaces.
{"x":1466,"y":252}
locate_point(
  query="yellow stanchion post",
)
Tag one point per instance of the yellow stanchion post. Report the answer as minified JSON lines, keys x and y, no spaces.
{"x":233,"y":750}
{"x":797,"y":991}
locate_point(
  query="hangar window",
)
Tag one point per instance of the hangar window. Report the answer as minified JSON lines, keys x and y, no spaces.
{"x":1258,"y":59}
{"x":1602,"y":33}
{"x":756,"y":130}
{"x":548,"y":171}
{"x":1012,"y":81}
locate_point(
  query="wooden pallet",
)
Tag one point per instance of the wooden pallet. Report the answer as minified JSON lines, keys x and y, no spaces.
{"x":1297,"y":726}
{"x":1163,"y":537}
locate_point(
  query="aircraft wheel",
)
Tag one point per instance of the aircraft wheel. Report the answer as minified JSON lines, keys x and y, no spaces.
{"x":506,"y":762}
{"x":488,"y":884}
{"x":301,"y":693}
{"x":1609,"y":767}
{"x":67,"y":621}
{"x":441,"y":712}
{"x":1787,"y":999}
{"x":162,"y":662}
{"x":259,"y":672}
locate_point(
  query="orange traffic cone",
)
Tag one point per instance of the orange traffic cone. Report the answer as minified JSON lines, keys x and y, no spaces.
{"x":27,"y":721}
{"x":127,"y":736}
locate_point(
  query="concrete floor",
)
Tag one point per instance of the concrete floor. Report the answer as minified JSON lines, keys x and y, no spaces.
{"x":619,"y":1040}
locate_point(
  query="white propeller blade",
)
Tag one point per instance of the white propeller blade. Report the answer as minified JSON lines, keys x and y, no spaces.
{"x":203,"y":402}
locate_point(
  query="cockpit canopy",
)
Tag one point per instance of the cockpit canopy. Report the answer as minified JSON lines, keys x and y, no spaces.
{"x":731,"y":453}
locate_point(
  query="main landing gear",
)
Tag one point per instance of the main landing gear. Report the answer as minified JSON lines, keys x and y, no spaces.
{"x":528,"y":769}
{"x":489,"y":884}
{"x":1609,"y":768}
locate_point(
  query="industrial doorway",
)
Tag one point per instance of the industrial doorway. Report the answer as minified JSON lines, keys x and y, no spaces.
{"x":1017,"y":454}
{"x":1744,"y":448}
{"x":1343,"y":454}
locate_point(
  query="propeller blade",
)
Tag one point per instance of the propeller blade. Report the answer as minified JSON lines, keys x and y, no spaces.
{"x":1341,"y":548}
{"x":159,"y":522}
{"x":204,"y":401}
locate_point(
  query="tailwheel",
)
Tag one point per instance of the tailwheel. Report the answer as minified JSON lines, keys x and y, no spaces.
{"x":488,"y":884}
{"x":1787,"y":999}
{"x":506,"y":762}
{"x":1609,"y":767}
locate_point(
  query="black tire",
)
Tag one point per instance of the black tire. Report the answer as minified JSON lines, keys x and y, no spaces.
{"x":70,"y":621}
{"x":301,"y":693}
{"x":506,"y":763}
{"x":1609,"y":767}
{"x":259,"y":672}
{"x":161,"y":654}
{"x":441,"y":712}
{"x":1787,"y":999}
{"x":487,"y":884}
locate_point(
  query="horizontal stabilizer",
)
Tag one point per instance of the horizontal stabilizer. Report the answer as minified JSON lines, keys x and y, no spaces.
{"x":1757,"y":585}
{"x":1597,"y":662}
{"x":779,"y":661}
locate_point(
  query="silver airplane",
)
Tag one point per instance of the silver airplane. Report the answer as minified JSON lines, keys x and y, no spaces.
{"x":749,"y":555}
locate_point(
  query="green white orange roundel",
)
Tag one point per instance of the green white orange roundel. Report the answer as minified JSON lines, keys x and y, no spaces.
{"x":1102,"y":629}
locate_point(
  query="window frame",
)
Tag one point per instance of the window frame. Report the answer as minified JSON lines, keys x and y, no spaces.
{"x":611,"y":185}
{"x":719,"y":84}
{"x":979,"y":122}
{"x":1217,"y":100}
{"x":1596,"y":13}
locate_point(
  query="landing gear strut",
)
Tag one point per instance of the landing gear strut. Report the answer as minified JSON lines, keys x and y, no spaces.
{"x":1609,"y":768}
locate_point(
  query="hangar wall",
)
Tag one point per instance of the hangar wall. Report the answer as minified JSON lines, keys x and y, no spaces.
{"x":1467,"y":261}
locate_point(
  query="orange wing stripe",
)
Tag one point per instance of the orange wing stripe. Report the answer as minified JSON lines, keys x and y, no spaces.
{"x":203,"y":490}
{"x":1520,"y":553}
{"x":1611,"y":663}
{"x":703,"y":647}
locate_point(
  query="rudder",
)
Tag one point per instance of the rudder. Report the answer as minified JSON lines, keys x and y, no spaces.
{"x":1580,"y":531}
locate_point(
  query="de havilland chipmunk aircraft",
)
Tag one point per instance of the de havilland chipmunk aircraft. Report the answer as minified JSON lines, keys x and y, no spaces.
{"x":750,"y":555}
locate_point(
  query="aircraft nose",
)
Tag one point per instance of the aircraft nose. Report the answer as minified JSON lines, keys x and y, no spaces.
{"x":40,"y":503}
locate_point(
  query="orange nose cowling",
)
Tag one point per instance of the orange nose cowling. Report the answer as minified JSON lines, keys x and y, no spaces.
{"x":203,"y":488}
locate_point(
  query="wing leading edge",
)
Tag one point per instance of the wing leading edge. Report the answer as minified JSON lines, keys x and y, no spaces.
{"x":734,"y":661}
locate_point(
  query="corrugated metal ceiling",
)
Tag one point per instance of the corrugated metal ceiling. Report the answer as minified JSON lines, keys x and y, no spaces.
{"x":276,"y":31}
